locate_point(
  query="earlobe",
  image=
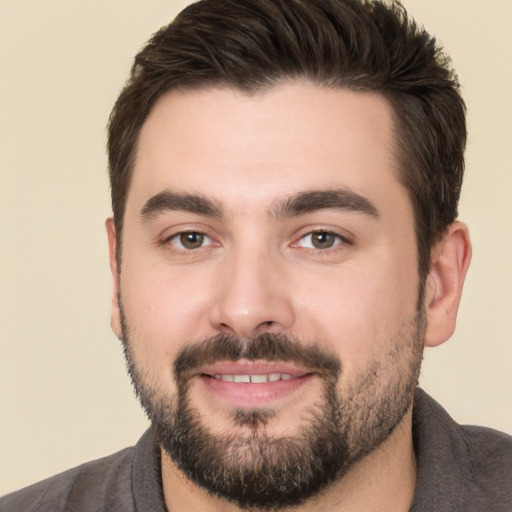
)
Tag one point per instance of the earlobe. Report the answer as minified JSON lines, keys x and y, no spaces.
{"x":450,"y":262}
{"x":115,"y":314}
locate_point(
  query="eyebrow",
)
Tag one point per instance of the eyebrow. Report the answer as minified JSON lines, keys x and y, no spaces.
{"x":292,"y":206}
{"x":314,"y":200}
{"x":174,"y":201}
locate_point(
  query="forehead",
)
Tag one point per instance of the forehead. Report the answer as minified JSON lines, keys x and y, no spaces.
{"x":253,"y":148}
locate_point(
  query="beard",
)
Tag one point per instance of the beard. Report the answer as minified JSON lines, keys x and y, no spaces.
{"x":247,"y":465}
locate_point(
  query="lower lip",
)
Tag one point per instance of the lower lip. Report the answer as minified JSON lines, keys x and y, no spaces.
{"x":248,"y":395}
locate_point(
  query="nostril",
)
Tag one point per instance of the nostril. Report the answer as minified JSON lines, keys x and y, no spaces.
{"x":265,"y":325}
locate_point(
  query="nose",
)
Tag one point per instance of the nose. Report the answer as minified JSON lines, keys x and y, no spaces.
{"x":253,"y":297}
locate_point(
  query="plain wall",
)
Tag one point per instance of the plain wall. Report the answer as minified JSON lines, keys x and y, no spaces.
{"x":64,"y":395}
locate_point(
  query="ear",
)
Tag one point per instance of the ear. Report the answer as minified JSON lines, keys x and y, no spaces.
{"x":115,"y":312}
{"x":450,"y":261}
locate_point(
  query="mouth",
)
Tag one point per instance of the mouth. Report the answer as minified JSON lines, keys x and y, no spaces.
{"x":253,"y":379}
{"x":250,"y":384}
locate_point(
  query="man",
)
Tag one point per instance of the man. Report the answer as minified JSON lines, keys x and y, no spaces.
{"x":285,"y":177}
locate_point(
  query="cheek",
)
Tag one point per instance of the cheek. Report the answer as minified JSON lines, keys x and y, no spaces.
{"x":165,"y":309}
{"x":357,"y":310}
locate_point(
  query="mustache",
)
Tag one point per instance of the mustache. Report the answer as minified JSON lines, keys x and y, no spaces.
{"x":268,"y":346}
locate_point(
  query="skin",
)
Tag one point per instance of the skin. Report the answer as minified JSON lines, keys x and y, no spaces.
{"x":257,"y":271}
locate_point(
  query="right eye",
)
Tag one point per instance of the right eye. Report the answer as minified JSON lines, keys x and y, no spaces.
{"x":189,"y":240}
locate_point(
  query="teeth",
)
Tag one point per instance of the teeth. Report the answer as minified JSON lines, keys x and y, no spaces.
{"x":241,"y":378}
{"x":254,"y":379}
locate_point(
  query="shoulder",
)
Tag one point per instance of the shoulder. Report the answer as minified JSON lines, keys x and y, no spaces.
{"x":81,"y":489}
{"x":460,"y":467}
{"x":485,"y":459}
{"x":490,"y":455}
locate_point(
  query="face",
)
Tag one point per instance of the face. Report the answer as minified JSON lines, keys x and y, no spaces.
{"x":269,"y":287}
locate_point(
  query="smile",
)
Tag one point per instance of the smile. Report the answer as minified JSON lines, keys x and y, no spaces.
{"x":253,"y":379}
{"x":253,"y":384}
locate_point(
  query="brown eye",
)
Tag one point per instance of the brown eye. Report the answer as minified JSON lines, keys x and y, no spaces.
{"x":323,"y":240}
{"x":190,"y":240}
{"x":320,"y":240}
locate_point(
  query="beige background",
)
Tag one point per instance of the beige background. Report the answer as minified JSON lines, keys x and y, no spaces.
{"x":64,"y":396}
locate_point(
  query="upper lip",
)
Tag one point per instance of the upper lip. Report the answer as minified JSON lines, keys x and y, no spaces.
{"x":245,"y":367}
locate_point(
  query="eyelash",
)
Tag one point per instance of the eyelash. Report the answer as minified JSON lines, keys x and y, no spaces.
{"x":179,"y":235}
{"x":338,"y":240}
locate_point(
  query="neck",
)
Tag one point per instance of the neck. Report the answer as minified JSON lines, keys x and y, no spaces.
{"x":383,"y":480}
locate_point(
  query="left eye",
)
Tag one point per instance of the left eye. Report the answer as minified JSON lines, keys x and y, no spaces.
{"x":190,"y":240}
{"x":320,"y":240}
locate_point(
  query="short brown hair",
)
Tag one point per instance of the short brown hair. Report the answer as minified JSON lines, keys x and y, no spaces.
{"x":361,"y":45}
